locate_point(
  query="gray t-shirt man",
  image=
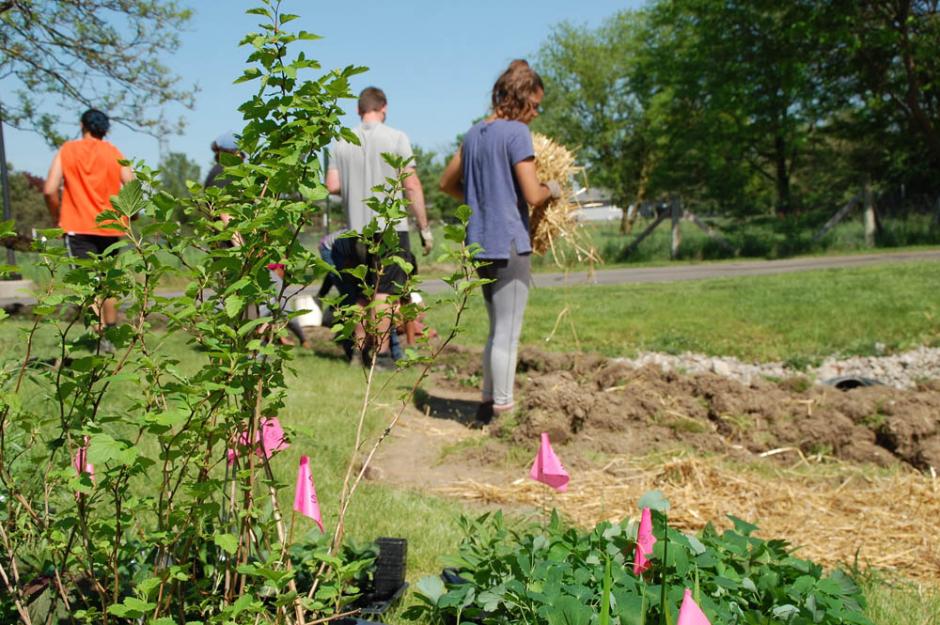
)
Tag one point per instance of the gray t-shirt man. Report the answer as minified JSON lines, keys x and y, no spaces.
{"x":357,"y":169}
{"x":361,"y":168}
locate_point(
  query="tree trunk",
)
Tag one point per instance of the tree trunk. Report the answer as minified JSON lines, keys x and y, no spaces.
{"x":913,"y":96}
{"x":626,"y":221}
{"x":784,"y":200}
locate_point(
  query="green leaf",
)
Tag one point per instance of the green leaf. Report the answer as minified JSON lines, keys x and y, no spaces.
{"x":742,"y":526}
{"x":130,"y":199}
{"x":431,"y":587}
{"x":234,"y":305}
{"x":605,"y":597}
{"x":102,"y":449}
{"x":131,"y":607}
{"x":313,"y":194}
{"x":654,"y":500}
{"x":785,"y":612}
{"x":568,"y":610}
{"x":226,"y":542}
{"x":148,"y":585}
{"x":695,"y":545}
{"x":251,"y":73}
{"x":490,"y":599}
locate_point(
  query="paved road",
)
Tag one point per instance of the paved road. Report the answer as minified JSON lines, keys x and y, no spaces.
{"x":703,"y":271}
{"x":670,"y":273}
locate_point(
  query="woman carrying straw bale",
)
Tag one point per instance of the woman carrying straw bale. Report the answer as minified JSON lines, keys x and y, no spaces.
{"x":494,"y":173}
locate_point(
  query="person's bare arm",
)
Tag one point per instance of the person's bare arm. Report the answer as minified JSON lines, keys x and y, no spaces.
{"x":127,"y":174}
{"x":51,"y":188}
{"x":534,"y":192}
{"x":333,"y":182}
{"x":415,"y":194}
{"x":451,"y":179}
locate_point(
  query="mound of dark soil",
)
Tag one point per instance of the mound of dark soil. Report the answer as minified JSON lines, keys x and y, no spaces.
{"x":618,"y":409}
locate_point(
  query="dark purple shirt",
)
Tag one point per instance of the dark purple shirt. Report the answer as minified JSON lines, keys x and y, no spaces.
{"x":500,"y":215}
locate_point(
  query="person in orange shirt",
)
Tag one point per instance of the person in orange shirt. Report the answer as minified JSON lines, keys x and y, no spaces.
{"x":83,"y":177}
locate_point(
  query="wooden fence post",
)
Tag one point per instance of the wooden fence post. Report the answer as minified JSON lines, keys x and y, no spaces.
{"x":842,"y":212}
{"x":871,"y":224}
{"x":711,"y":232}
{"x":676,"y":208}
{"x":660,"y":218}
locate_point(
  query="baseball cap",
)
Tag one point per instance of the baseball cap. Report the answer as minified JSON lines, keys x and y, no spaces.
{"x":226,"y":142}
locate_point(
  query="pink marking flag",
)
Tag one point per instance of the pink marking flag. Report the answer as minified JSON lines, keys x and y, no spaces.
{"x":690,"y":613}
{"x":305,"y":495}
{"x":547,"y":467}
{"x":269,"y":440}
{"x":272,"y":437}
{"x":644,"y":543}
{"x":80,"y":462}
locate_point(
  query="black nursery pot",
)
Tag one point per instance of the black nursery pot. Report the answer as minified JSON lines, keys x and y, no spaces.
{"x":390,"y":566}
{"x":392,"y":547}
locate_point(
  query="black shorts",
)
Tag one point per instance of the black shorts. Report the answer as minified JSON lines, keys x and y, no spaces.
{"x":392,"y":276}
{"x":348,"y":253}
{"x":84,"y":245}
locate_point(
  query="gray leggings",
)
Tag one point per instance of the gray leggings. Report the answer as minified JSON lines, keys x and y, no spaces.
{"x":505,"y":304}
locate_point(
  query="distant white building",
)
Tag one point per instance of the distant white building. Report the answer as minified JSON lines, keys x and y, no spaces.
{"x":596,"y":205}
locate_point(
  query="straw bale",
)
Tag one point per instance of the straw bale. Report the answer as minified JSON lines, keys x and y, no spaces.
{"x":833,"y":513}
{"x":555,"y":221}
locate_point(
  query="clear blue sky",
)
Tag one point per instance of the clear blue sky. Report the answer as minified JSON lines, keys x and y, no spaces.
{"x":435,"y":59}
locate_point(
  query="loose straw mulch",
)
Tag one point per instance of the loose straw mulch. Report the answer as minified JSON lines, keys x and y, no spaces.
{"x":833,"y":515}
{"x":555,"y":221}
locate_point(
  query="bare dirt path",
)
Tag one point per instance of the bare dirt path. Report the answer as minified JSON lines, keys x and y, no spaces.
{"x":428,"y":447}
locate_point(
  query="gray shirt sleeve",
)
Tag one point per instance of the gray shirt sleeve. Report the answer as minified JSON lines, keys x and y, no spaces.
{"x":404,"y":146}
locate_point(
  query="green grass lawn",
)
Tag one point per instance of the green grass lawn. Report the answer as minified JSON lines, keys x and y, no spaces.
{"x":800,"y":317}
{"x":796,"y":317}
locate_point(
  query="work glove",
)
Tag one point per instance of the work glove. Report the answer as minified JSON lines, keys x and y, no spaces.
{"x":554,"y":188}
{"x":427,"y":240}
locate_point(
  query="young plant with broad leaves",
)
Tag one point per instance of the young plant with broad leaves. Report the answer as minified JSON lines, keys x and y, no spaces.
{"x":136,"y":487}
{"x":509,"y":573}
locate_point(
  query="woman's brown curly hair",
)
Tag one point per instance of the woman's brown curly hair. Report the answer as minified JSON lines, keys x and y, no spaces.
{"x":514,"y":89}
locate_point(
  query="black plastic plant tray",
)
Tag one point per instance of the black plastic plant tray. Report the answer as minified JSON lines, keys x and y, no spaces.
{"x":373,"y":607}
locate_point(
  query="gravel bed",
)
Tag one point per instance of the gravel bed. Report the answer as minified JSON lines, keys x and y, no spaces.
{"x":904,"y":370}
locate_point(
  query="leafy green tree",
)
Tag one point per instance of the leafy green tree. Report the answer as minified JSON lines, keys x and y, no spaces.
{"x":746,"y":94}
{"x":175,"y":170}
{"x":751,"y":106}
{"x":134,"y":489}
{"x":61,"y":55}
{"x":889,"y":81}
{"x":597,"y":101}
{"x":430,"y":165}
{"x":26,"y":202}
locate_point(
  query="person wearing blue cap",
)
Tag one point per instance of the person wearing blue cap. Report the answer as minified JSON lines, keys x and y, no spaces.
{"x":225,"y":142}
